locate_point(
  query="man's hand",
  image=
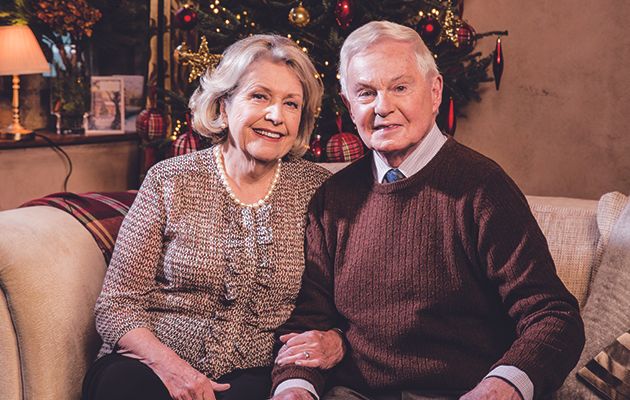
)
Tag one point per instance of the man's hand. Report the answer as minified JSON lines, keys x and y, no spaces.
{"x":183,"y":381}
{"x":492,"y":388}
{"x":293,"y":394}
{"x":315,"y":349}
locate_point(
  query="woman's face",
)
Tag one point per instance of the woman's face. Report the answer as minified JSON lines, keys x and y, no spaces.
{"x":263,"y":114}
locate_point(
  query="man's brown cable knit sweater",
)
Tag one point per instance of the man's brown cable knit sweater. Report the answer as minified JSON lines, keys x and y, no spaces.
{"x":435,"y":279}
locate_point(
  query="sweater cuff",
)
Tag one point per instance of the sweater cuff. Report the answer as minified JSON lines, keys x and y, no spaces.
{"x":284,"y":373}
{"x":296,"y":383}
{"x":516,"y":377}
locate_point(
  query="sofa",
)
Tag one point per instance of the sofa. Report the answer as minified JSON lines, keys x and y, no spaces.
{"x":51,"y":271}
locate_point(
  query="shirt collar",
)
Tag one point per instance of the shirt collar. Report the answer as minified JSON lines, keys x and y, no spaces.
{"x":419,"y":157}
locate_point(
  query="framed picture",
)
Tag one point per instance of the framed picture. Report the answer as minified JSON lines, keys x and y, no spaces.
{"x":107,"y":111}
{"x":134,"y":99}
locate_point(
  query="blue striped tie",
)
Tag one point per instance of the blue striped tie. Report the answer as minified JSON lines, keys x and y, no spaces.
{"x":393,"y":175}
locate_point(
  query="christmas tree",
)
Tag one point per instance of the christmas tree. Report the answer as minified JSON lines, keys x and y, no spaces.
{"x":319,"y":27}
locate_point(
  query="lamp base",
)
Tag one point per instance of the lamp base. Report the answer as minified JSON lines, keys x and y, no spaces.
{"x":16,"y":133}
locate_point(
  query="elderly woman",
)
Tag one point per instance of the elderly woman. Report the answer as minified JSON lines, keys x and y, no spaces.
{"x":209,"y":259}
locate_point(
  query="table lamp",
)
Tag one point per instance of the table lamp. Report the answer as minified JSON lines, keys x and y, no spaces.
{"x":20,"y":54}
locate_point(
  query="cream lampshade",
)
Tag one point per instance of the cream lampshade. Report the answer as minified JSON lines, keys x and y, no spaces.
{"x":20,"y":54}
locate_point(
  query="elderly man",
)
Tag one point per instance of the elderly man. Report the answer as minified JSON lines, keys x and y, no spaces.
{"x":425,"y":254}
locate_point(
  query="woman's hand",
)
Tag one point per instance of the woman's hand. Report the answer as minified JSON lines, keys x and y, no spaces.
{"x":182,"y":381}
{"x":314,"y":349}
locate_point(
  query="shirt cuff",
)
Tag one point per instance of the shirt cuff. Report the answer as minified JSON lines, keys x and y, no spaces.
{"x":516,"y":377}
{"x":296,"y":383}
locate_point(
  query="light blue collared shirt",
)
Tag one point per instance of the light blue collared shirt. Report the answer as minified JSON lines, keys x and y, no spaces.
{"x":419,"y":157}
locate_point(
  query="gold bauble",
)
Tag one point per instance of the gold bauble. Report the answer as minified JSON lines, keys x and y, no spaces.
{"x":299,"y":16}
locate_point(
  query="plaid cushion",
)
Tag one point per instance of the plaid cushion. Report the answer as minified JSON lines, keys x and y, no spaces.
{"x":608,"y":373}
{"x":100,"y":213}
{"x":186,"y":143}
{"x":344,"y":147}
{"x":189,"y":142}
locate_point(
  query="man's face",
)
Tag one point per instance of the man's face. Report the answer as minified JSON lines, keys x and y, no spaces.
{"x":391,"y":102}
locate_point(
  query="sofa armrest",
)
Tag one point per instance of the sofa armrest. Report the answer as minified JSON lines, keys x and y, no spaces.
{"x":10,"y":381}
{"x":51,"y":272}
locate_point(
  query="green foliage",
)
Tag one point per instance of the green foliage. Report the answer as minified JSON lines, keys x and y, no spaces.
{"x":70,"y":92}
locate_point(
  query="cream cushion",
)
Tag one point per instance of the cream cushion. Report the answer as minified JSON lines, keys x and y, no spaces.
{"x":10,"y":364}
{"x":606,"y":313}
{"x":577,"y":232}
{"x":609,"y":209}
{"x":570,"y":227}
{"x":51,"y":272}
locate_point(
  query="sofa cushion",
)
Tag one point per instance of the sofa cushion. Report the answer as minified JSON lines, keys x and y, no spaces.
{"x":10,"y":378}
{"x":607,"y":373}
{"x":101,"y":213}
{"x":609,"y":209}
{"x":51,"y":272}
{"x":606,"y":313}
{"x":570,"y":227}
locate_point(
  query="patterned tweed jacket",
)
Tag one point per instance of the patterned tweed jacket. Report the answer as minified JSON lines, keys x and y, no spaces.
{"x":210,"y":278}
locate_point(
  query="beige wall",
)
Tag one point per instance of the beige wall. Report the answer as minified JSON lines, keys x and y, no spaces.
{"x":559,"y":124}
{"x":26,"y":174}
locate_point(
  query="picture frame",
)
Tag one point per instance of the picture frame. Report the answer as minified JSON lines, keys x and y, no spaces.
{"x":134,"y":99}
{"x":107,"y":109}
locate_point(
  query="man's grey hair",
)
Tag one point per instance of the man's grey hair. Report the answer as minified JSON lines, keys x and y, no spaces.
{"x":219,"y":85}
{"x":375,"y":31}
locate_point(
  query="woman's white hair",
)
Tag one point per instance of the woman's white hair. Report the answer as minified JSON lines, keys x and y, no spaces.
{"x":375,"y":31}
{"x":219,"y":85}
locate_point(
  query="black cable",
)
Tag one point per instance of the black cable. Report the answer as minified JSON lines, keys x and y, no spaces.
{"x":62,"y":152}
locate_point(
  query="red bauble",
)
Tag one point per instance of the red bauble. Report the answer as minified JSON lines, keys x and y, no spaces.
{"x":497,"y":63}
{"x":344,"y":147}
{"x":343,"y":13}
{"x":151,"y":125}
{"x":466,"y":38}
{"x":429,"y":29}
{"x":451,"y":118}
{"x":315,"y":149}
{"x":186,"y":18}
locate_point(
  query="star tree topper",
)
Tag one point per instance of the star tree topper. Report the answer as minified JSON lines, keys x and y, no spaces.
{"x":199,"y":61}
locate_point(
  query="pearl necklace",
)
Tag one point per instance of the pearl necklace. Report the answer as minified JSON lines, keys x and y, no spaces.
{"x":228,"y":188}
